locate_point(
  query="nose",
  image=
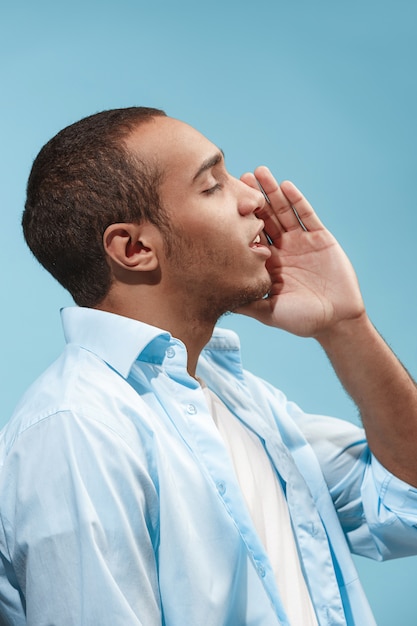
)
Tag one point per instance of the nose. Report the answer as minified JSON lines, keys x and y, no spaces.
{"x":250,"y":200}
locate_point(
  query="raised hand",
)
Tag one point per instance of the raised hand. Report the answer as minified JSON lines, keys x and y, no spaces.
{"x":313,"y":283}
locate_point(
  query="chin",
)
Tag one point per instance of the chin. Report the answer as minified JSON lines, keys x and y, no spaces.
{"x":251,"y":294}
{"x":228,"y":300}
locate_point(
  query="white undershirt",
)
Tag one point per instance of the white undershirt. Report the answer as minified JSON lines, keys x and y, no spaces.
{"x":268,"y":508}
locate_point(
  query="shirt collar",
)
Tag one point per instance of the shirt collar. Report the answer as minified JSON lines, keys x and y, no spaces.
{"x":120,"y":341}
{"x":116,"y":339}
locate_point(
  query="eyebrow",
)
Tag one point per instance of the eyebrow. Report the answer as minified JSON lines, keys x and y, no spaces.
{"x":208,"y":164}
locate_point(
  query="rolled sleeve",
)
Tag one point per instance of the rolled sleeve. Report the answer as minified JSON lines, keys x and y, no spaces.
{"x":377,"y":510}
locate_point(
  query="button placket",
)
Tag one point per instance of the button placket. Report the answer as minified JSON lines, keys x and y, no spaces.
{"x":261,"y":569}
{"x":221,"y":487}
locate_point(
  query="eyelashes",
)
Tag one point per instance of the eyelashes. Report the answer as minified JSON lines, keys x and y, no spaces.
{"x":211,"y":190}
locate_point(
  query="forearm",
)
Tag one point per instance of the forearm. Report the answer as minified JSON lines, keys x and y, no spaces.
{"x":383,"y":390}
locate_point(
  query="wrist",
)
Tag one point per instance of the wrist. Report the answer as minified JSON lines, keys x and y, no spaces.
{"x":347,"y":332}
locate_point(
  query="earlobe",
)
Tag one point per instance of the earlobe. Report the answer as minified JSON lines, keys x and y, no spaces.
{"x":132,"y":246}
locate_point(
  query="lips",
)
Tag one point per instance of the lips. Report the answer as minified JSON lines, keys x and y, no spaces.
{"x":257,"y":240}
{"x":259,"y":243}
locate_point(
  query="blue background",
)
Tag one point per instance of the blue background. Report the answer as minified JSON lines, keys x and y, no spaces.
{"x":323,"y":92}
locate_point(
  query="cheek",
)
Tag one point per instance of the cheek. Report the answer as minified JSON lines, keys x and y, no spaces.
{"x":205,"y":234}
{"x":203,"y":238}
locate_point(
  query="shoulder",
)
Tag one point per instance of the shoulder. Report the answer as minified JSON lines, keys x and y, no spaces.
{"x":78,"y":391}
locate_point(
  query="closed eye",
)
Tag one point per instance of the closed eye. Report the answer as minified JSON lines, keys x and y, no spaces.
{"x":213,"y":189}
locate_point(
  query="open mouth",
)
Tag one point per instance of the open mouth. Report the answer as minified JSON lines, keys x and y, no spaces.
{"x":260,"y":244}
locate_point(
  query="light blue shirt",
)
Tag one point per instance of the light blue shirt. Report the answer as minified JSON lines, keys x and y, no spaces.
{"x":119,"y":504}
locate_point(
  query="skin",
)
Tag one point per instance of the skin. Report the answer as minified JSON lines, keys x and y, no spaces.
{"x":213,"y":266}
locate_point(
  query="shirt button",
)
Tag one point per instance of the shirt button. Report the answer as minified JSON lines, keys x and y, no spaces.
{"x":261,"y":569}
{"x":191,"y":409}
{"x":221,"y":487}
{"x":170,"y":352}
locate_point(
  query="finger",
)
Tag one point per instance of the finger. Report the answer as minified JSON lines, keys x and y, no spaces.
{"x":273,"y":227}
{"x":279,"y":203}
{"x":249,"y":179}
{"x":303,"y":208}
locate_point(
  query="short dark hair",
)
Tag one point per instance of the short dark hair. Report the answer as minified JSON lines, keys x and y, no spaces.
{"x":84,"y":179}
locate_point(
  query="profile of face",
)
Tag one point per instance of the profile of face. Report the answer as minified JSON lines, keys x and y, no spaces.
{"x":213,"y":257}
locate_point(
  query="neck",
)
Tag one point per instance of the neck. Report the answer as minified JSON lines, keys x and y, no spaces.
{"x":194,"y":328}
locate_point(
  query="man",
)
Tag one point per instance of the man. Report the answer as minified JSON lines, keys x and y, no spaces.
{"x":146,"y":477}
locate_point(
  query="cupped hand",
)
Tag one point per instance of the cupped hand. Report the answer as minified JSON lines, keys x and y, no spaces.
{"x":313,"y":283}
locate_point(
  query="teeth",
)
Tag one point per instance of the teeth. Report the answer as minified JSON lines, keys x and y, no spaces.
{"x":257,"y":239}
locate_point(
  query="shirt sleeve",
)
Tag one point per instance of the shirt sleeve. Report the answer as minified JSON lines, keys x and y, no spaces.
{"x":79,"y":525}
{"x":377,"y":510}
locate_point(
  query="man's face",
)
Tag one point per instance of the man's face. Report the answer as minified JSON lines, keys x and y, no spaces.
{"x":212,"y":257}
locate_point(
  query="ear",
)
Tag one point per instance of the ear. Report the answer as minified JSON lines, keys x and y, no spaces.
{"x":133,"y":246}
